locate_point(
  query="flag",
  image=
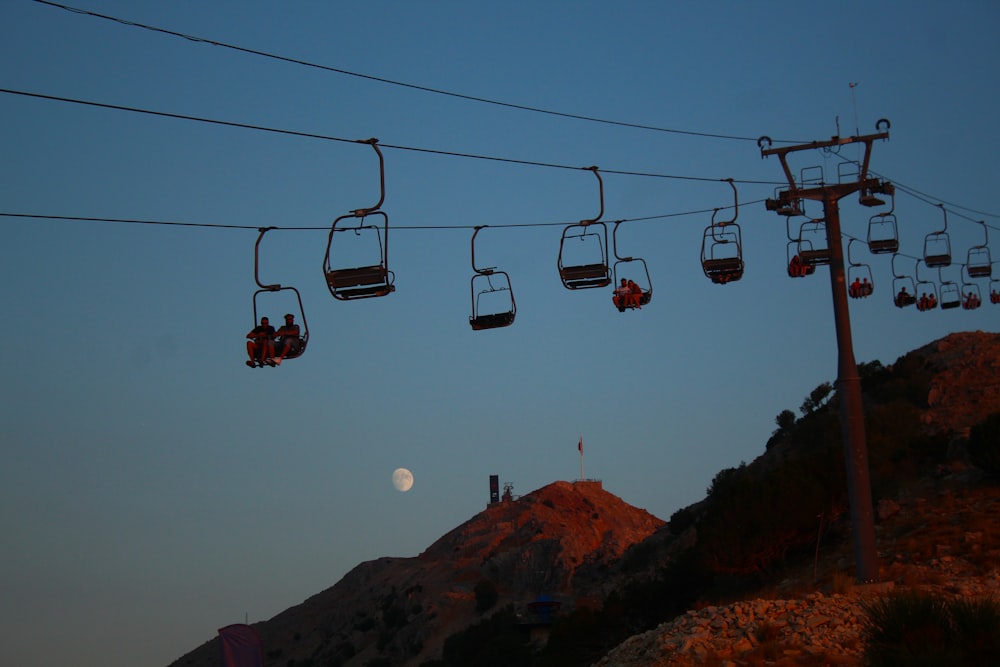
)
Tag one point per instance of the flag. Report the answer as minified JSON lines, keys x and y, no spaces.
{"x":579,"y":447}
{"x":240,"y":646}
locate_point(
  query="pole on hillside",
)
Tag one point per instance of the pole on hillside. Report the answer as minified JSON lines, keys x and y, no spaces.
{"x":580,"y":448}
{"x":848,"y":381}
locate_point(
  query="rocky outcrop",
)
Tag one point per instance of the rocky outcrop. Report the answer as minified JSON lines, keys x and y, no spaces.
{"x":965,"y":386}
{"x":401,"y":610}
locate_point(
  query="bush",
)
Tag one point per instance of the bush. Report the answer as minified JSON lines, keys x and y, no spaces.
{"x":917,"y":629}
{"x":486,"y":595}
{"x":984,"y":445}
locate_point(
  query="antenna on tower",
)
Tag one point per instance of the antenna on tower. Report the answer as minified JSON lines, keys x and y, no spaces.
{"x":854,"y":103}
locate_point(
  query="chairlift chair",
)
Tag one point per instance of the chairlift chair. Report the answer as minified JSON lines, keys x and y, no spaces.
{"x":903,"y":288}
{"x":295,"y":348}
{"x":883,"y":232}
{"x":352,"y":278}
{"x":928,"y":292}
{"x":645,"y":292}
{"x":586,"y":266}
{"x":951,"y":294}
{"x":972,"y":298}
{"x":937,"y":245}
{"x":796,"y":268}
{"x":813,"y":247}
{"x":722,"y":247}
{"x":979,"y":264}
{"x":995,"y":291}
{"x":482,"y":285}
{"x":860,"y":281}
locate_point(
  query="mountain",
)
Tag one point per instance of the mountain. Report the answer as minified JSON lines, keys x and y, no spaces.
{"x":611,"y":570}
{"x":537,"y":552}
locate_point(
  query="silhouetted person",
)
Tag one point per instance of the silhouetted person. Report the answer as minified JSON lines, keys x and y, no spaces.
{"x":260,"y":346}
{"x":288,"y":343}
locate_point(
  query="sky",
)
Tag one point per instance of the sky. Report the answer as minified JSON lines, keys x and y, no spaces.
{"x":154,"y":488}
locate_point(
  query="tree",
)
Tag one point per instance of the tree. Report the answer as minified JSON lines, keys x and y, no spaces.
{"x":816,"y":397}
{"x":785,"y":420}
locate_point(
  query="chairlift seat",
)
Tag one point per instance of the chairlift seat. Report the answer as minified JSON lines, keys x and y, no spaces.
{"x":871,"y":200}
{"x":585,"y":275}
{"x":979,"y":271}
{"x":933,"y":261}
{"x":815,"y":257}
{"x":883,"y":246}
{"x":491,"y":321}
{"x":362,"y":275}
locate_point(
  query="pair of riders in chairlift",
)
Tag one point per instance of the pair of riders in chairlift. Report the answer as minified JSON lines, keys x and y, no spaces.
{"x":628,"y":294}
{"x":927,"y":301}
{"x":971,"y":301}
{"x":860,"y":288}
{"x":799,"y":269}
{"x":267,"y":347}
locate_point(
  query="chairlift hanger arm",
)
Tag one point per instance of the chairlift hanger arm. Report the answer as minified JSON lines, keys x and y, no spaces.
{"x":362,"y":212}
{"x":945,"y":212}
{"x":256,"y":261}
{"x":486,"y":271}
{"x":600,"y":185}
{"x":736,"y":206}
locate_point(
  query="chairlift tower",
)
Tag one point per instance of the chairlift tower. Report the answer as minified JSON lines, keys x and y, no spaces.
{"x":848,"y":381}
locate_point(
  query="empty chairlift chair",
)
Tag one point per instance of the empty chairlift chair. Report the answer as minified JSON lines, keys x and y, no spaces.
{"x":951,"y":294}
{"x":493,"y":304}
{"x":979,"y":264}
{"x":937,"y":245}
{"x":583,"y":250}
{"x":883,"y":232}
{"x":722,"y":247}
{"x":356,"y":266}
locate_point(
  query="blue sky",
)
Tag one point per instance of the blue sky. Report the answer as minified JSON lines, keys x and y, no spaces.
{"x":155,"y":489}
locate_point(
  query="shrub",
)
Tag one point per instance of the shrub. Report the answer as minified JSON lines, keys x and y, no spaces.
{"x":486,"y":595}
{"x":984,"y":445}
{"x":917,"y":629}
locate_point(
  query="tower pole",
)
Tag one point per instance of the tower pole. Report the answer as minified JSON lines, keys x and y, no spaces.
{"x":852,"y":417}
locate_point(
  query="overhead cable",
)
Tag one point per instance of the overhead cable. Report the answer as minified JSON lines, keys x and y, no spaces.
{"x":412,"y":86}
{"x":312,"y":135}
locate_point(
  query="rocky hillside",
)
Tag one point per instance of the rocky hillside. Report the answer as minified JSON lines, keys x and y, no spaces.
{"x":400,"y":610}
{"x":571,"y":544}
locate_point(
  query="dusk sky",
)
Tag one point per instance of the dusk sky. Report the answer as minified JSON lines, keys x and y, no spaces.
{"x":154,"y":488}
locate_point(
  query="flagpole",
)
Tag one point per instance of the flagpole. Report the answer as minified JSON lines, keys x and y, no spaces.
{"x":580,"y":447}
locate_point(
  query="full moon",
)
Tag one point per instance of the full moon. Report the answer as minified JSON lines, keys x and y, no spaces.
{"x":402,"y":479}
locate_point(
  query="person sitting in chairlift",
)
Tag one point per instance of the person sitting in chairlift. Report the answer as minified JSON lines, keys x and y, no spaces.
{"x":260,"y":346}
{"x":634,"y":295}
{"x":904,"y":297}
{"x":621,"y":295}
{"x":288,"y":343}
